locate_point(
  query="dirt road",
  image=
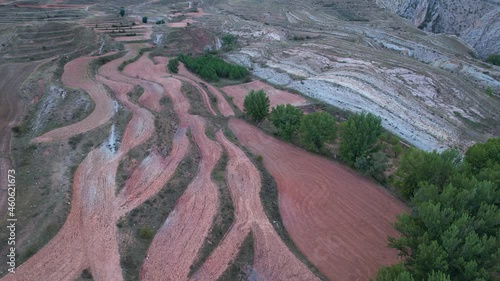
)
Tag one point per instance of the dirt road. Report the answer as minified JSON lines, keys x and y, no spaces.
{"x":338,"y":219}
{"x":76,"y":76}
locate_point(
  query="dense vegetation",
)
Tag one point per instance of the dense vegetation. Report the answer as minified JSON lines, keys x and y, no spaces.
{"x":212,"y":68}
{"x":452,"y":232}
{"x":494,"y":59}
{"x":359,"y":134}
{"x":286,"y":119}
{"x":256,"y":105}
{"x":228,"y":42}
{"x":316,"y":129}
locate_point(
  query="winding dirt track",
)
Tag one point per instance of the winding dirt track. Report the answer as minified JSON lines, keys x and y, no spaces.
{"x":276,"y":97}
{"x":273,"y":260}
{"x":222,"y":104}
{"x":339,"y":220}
{"x":76,"y":76}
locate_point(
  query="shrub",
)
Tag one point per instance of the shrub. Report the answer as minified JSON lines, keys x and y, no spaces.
{"x":122,"y":12}
{"x":144,"y":19}
{"x":489,"y":91}
{"x":146,"y":233}
{"x":494,"y":59}
{"x":173,"y":65}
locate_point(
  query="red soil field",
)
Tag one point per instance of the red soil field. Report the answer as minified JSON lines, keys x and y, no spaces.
{"x":272,"y":259}
{"x":276,"y":97}
{"x":75,"y":75}
{"x":338,"y":219}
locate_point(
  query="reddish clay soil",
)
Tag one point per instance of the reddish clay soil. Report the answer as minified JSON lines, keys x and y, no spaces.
{"x":185,"y":229}
{"x":272,"y":259}
{"x":338,"y":219}
{"x":88,"y":238}
{"x":222,"y":104}
{"x":76,"y":76}
{"x":276,"y":97}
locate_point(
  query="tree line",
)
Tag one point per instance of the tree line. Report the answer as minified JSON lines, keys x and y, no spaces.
{"x":212,"y":68}
{"x":359,"y":134}
{"x":452,"y":232}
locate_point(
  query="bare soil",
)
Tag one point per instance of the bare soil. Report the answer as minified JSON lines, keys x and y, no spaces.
{"x":337,"y":218}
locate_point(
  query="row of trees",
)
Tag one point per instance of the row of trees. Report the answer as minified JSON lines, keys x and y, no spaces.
{"x":359,"y":133}
{"x":212,"y":68}
{"x":452,"y":232}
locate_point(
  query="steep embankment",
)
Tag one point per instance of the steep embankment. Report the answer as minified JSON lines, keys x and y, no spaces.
{"x":477,"y":22}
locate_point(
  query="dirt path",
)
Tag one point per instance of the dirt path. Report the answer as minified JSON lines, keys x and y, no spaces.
{"x":75,"y":75}
{"x":88,"y":237}
{"x":276,"y":97}
{"x":222,"y":104}
{"x":185,"y":229}
{"x":272,"y":259}
{"x":338,"y":219}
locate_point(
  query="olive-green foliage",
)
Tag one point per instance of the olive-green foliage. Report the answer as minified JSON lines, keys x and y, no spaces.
{"x":452,"y":231}
{"x":256,"y":105}
{"x":146,"y":233}
{"x":494,"y":59}
{"x":173,"y":65}
{"x":144,"y":19}
{"x":372,"y":165}
{"x":417,"y":166}
{"x":212,"y":68}
{"x":316,"y":129}
{"x":228,"y":42}
{"x":398,"y":272}
{"x":286,"y":119}
{"x":359,"y":134}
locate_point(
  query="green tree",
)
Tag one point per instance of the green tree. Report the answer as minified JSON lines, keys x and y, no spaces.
{"x":316,"y":129}
{"x":286,"y":119}
{"x":122,"y":12}
{"x":144,"y":19}
{"x":256,"y":105}
{"x":417,"y":166}
{"x":359,"y":135}
{"x":228,"y":41}
{"x":372,"y":165}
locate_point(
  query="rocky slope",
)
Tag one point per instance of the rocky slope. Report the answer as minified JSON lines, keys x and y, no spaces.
{"x":477,"y":22}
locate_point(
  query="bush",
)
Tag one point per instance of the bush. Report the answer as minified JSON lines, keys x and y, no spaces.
{"x":372,"y":165}
{"x":228,"y":42}
{"x":146,"y":233}
{"x":122,"y":12}
{"x":316,"y":129}
{"x":489,"y":91}
{"x":144,"y":19}
{"x":256,"y":105}
{"x":494,"y":59}
{"x":173,"y":65}
{"x":286,"y":119}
